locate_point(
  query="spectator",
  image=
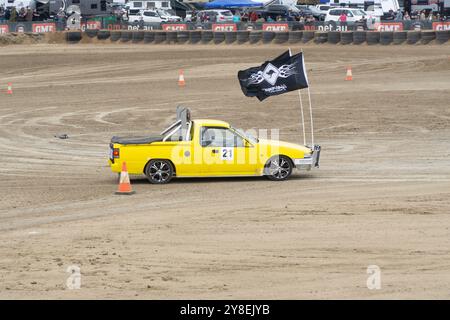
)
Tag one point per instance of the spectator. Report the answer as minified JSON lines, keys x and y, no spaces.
{"x":260,"y":19}
{"x":236,"y":17}
{"x":422,"y":15}
{"x":244,"y":16}
{"x":253,"y":16}
{"x":430,"y":16}
{"x":399,"y":15}
{"x":342,"y":18}
{"x":29,"y":15}
{"x":36,"y":16}
{"x":269,"y":19}
{"x":406,"y":16}
{"x":61,"y":16}
{"x":13,"y":15}
{"x":2,"y":12}
{"x":23,"y":14}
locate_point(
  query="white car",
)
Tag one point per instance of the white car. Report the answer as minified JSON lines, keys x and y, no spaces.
{"x":353,"y":15}
{"x":168,"y":15}
{"x":151,"y":16}
{"x":217,"y":15}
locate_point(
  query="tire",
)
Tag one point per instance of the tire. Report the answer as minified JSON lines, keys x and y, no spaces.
{"x":295,"y":36}
{"x":386,"y":37}
{"x":182,"y":36}
{"x":73,"y":36}
{"x":171,"y":36}
{"x":427,"y":36}
{"x":230,"y":37}
{"x":254,"y":37}
{"x":115,"y":35}
{"x":219,"y":37}
{"x":268,"y":36}
{"x":359,"y":37}
{"x":373,"y":37}
{"x":334,"y":37}
{"x":149,"y":36}
{"x":91,"y":33}
{"x":159,"y":171}
{"x":399,"y":37}
{"x":103,"y":34}
{"x":137,"y":36}
{"x":278,"y":168}
{"x":281,"y":37}
{"x":412,"y":37}
{"x":442,"y":36}
{"x":126,"y":36}
{"x":242,"y":36}
{"x":307,"y":36}
{"x":346,"y":37}
{"x":195,"y":36}
{"x":320,"y":37}
{"x":207,"y":36}
{"x":160,"y":37}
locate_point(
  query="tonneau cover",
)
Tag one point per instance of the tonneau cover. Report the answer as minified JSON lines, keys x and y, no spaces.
{"x":136,"y":140}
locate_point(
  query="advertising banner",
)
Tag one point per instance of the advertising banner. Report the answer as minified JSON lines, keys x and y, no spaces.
{"x":44,"y":27}
{"x":441,"y":26}
{"x":389,"y":26}
{"x":174,"y":26}
{"x":275,"y":27}
{"x":224,"y":27}
{"x":4,"y":28}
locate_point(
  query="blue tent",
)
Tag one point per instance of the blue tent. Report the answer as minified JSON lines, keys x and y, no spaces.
{"x":221,"y":4}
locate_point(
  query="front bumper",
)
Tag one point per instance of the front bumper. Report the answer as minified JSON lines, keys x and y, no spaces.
{"x":310,"y":161}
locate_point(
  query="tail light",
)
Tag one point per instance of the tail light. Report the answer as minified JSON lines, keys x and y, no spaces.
{"x":116,"y":153}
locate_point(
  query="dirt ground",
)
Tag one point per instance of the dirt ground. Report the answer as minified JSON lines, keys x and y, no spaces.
{"x":381,"y":196}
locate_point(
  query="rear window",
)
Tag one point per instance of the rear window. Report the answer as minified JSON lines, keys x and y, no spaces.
{"x":324,"y":8}
{"x":226,"y":13}
{"x":134,"y":12}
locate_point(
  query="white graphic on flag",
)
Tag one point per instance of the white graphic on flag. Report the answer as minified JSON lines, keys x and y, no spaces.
{"x":272,"y":73}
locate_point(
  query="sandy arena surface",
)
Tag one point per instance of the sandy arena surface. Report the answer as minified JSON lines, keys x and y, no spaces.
{"x":381,"y":196}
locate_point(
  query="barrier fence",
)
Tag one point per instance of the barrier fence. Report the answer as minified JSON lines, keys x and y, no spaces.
{"x":109,"y":24}
{"x":262,"y":37}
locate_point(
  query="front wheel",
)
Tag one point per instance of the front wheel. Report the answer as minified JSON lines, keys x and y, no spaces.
{"x":278,"y":168}
{"x":159,"y":171}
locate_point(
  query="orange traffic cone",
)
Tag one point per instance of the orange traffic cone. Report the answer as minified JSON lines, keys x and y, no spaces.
{"x":181,"y":81}
{"x":10,"y":91}
{"x":124,"y":184}
{"x":349,"y":76}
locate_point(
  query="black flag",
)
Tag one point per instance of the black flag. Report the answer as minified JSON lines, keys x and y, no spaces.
{"x":282,"y":74}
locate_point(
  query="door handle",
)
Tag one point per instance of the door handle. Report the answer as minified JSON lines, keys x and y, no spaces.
{"x":215,"y":151}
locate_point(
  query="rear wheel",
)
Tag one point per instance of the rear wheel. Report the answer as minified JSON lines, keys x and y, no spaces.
{"x":159,"y":171}
{"x":278,"y":168}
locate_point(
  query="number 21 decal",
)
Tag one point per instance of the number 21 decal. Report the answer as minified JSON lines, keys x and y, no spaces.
{"x":226,"y":154}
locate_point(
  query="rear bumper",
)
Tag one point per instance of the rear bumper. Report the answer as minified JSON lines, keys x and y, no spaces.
{"x":309,"y":162}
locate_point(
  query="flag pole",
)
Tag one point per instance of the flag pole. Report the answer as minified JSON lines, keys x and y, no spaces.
{"x":301,"y":109}
{"x":310,"y":110}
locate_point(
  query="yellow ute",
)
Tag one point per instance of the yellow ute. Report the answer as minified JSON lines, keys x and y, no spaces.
{"x":208,"y":148}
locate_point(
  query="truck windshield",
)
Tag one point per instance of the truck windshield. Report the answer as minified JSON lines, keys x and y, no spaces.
{"x":248,"y":136}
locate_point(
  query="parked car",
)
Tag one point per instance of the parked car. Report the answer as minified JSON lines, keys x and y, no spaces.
{"x":169,"y":15}
{"x":216,"y":15}
{"x":320,"y":11}
{"x":151,"y":16}
{"x":148,"y":16}
{"x":286,"y":13}
{"x":353,"y":15}
{"x":304,"y":10}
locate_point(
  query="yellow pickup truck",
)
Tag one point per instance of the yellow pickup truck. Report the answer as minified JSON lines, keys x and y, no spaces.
{"x":208,"y":148}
